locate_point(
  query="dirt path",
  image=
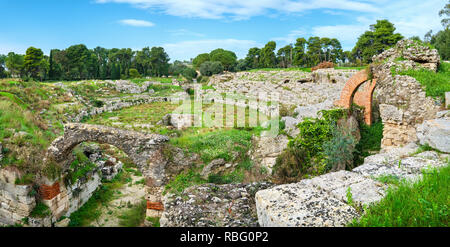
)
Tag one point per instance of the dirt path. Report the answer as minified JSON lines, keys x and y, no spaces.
{"x":128,"y":195}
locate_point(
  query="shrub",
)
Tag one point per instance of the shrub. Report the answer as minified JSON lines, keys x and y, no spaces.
{"x":339,"y":150}
{"x":133,"y":73}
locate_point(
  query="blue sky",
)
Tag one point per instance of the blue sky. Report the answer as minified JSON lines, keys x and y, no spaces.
{"x":186,"y":28}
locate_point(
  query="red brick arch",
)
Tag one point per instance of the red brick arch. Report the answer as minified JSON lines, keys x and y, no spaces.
{"x":361,"y":98}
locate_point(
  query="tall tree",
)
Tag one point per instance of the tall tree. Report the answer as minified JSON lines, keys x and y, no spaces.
{"x":379,"y":38}
{"x":227,"y":58}
{"x":268,"y":58}
{"x":159,"y":61}
{"x":253,"y":58}
{"x":201,"y":58}
{"x":445,"y":12}
{"x":314,"y":51}
{"x":299,"y":52}
{"x":285,"y":56}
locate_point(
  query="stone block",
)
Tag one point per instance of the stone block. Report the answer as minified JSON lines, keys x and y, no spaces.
{"x":301,"y":204}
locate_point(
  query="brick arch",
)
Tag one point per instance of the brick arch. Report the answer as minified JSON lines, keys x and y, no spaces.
{"x":362,"y":98}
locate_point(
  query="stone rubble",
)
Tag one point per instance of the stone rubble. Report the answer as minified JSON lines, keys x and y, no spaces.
{"x":323,"y":201}
{"x":211,"y":205}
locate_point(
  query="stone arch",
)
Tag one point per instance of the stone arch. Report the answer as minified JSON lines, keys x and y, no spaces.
{"x":362,"y":98}
{"x":144,"y":149}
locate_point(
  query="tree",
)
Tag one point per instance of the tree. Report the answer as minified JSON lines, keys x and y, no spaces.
{"x":268,"y":58}
{"x":159,"y":61}
{"x":227,"y":58}
{"x":284,"y":56}
{"x":201,"y":58}
{"x":211,"y":68}
{"x":299,"y":52}
{"x":445,"y":12}
{"x":15,"y":64}
{"x":314,"y":53}
{"x":441,"y":41}
{"x":253,"y":58}
{"x":189,"y":73}
{"x":379,"y":38}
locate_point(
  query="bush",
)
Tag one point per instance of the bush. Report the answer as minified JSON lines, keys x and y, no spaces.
{"x":189,"y":73}
{"x":339,"y":150}
{"x":211,"y":68}
{"x":305,"y":153}
{"x":40,"y":211}
{"x":133,"y":73}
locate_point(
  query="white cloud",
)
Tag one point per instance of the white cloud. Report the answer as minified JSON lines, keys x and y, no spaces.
{"x":239,"y":9}
{"x":292,"y":36}
{"x":190,"y":49}
{"x":136,"y":23}
{"x":184,"y":32}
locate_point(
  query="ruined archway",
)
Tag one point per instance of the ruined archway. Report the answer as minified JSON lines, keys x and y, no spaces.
{"x":363,"y":98}
{"x":144,"y":149}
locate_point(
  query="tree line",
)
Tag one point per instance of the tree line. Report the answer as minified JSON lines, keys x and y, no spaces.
{"x":78,"y":62}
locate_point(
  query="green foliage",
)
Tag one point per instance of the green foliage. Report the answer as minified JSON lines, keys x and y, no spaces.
{"x":380,"y":38}
{"x":436,"y":84}
{"x":133,"y":73}
{"x":154,"y":221}
{"x":133,"y":216}
{"x":421,"y":204}
{"x":25,"y":179}
{"x":90,"y":211}
{"x":370,"y":141}
{"x":211,"y":68}
{"x":215,"y":145}
{"x":200,"y":59}
{"x":33,"y":61}
{"x":40,"y":211}
{"x":339,"y":150}
{"x":183,"y":181}
{"x":227,"y":58}
{"x":305,"y":153}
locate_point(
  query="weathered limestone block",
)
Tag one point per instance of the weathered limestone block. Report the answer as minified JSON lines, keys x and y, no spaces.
{"x":409,"y":168}
{"x":364,"y":191}
{"x":301,"y":204}
{"x":436,"y":133}
{"x":79,"y":193}
{"x":16,"y":201}
{"x":266,"y":149}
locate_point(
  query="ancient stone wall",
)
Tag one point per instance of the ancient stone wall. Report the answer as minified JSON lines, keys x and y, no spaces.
{"x":402,"y":99}
{"x":16,"y":201}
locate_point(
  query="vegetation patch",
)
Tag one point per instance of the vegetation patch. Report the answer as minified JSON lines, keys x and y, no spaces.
{"x":421,"y":204}
{"x":436,"y":84}
{"x":133,"y":216}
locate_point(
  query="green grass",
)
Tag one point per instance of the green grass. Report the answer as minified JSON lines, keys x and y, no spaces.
{"x":139,"y":81}
{"x":91,"y":210}
{"x":214,"y":145}
{"x":183,"y":181}
{"x":154,"y":221}
{"x":436,"y":84}
{"x":422,"y":204}
{"x":370,"y":141}
{"x":40,"y":211}
{"x":133,"y":216}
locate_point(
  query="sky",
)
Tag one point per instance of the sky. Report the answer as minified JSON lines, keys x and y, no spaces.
{"x":186,"y":28}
